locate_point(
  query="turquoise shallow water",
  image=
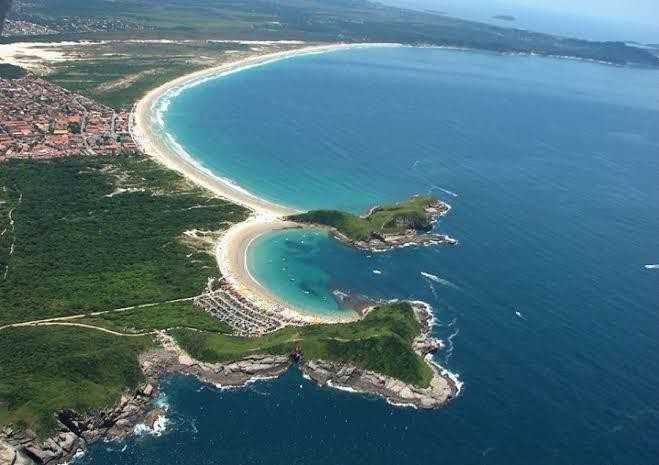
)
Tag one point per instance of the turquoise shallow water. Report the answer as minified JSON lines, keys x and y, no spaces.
{"x":550,"y":317}
{"x":287,"y":262}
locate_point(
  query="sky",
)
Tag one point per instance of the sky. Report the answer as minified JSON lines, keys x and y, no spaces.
{"x":641,"y":11}
{"x":626,"y":20}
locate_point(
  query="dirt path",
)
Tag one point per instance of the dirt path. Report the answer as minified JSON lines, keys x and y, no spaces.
{"x":81,"y":325}
{"x":62,"y":320}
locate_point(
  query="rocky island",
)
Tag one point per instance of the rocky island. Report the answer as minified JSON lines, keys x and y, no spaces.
{"x":384,"y":227}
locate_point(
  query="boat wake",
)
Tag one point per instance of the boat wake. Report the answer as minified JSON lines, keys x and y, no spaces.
{"x":651,"y":267}
{"x":446,"y":191}
{"x":437,"y":279}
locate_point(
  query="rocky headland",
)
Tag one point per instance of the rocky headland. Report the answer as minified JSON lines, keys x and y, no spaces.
{"x":386,"y":242}
{"x":385,"y":227}
{"x":138,"y":407}
{"x":442,"y":388}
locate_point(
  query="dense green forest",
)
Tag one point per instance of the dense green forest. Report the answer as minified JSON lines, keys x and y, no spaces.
{"x":94,"y":234}
{"x":46,"y":369}
{"x":77,"y":247}
{"x":8,"y":71}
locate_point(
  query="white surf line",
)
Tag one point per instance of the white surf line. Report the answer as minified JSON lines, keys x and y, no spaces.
{"x":449,"y":341}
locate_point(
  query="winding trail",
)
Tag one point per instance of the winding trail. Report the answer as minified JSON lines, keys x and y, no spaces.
{"x":81,"y":325}
{"x":63,"y":320}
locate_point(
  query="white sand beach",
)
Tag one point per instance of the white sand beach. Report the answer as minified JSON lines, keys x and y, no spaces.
{"x":231,"y":255}
{"x":36,"y":56}
{"x":154,"y":143}
{"x":267,"y":216}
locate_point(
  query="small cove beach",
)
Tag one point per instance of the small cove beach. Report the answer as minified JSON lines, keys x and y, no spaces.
{"x":267,"y":216}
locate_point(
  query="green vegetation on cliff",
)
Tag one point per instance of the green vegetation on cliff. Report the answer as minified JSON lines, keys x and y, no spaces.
{"x":84,"y":235}
{"x":49,"y":368}
{"x":387,"y":219}
{"x":381,"y":342}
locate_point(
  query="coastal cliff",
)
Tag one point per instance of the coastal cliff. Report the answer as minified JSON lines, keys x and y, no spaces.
{"x":137,"y":406}
{"x":385,"y":227}
{"x":78,"y":431}
{"x":441,"y":388}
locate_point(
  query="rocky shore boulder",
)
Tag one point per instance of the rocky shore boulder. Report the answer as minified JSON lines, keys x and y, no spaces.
{"x":7,"y":454}
{"x":440,"y":391}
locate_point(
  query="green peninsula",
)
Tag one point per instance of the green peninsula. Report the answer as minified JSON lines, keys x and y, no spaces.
{"x":384,"y":227}
{"x":103,"y":256}
{"x":382,"y":342}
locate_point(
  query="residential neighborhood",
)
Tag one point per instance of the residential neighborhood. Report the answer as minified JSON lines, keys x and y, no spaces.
{"x":41,"y":120}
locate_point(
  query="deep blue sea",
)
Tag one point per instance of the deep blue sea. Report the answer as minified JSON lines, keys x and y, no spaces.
{"x":549,"y":314}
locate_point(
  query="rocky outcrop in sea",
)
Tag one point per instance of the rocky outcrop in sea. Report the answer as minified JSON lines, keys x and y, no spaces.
{"x":138,"y":406}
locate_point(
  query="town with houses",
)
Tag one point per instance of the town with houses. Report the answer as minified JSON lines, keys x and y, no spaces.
{"x":41,"y":120}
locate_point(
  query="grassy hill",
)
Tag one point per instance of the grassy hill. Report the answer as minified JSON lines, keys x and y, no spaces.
{"x":381,"y":342}
{"x":387,"y":219}
{"x":46,"y":369}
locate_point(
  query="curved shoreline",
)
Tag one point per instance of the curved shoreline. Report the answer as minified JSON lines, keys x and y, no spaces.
{"x":231,"y":256}
{"x":267,"y":216}
{"x":155,"y":144}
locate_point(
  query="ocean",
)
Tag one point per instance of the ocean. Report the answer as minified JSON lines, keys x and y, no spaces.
{"x":574,"y":19}
{"x":548,"y":311}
